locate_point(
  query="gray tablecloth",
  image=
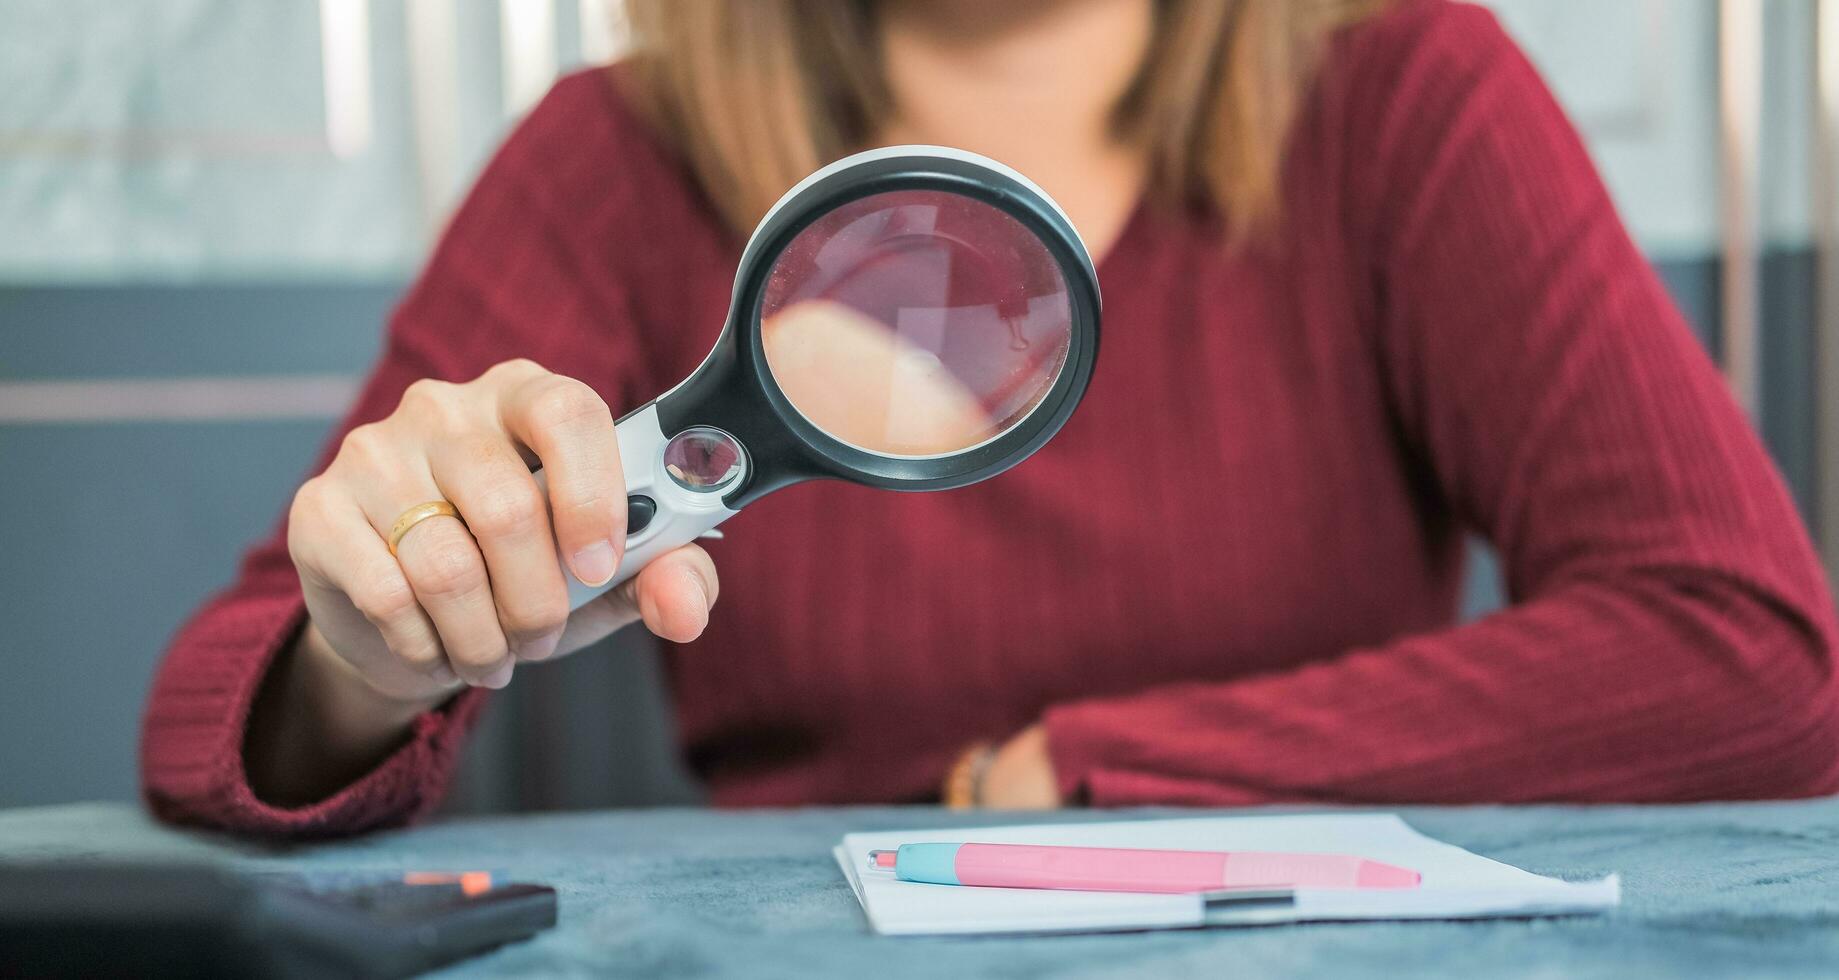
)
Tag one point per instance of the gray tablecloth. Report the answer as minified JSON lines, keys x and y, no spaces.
{"x":1739,"y":890}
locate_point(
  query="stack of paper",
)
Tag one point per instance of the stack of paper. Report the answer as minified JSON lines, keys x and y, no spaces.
{"x":1456,"y":884}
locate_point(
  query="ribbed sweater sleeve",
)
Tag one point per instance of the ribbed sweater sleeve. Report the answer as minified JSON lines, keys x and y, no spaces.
{"x":1670,"y":635}
{"x":501,"y":283}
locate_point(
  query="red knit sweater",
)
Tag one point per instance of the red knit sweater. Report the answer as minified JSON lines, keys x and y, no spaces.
{"x":1233,"y":577}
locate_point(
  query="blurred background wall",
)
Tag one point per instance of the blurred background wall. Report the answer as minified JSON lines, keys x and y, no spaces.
{"x":207,"y":208}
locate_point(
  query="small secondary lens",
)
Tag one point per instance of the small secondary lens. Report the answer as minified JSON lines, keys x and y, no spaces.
{"x":704,"y":460}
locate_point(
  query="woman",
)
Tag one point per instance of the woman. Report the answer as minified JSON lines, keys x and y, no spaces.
{"x":1363,"y":293}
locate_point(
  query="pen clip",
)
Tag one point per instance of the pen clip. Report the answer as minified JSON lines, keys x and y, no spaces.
{"x":1234,"y":899}
{"x":1244,"y":906}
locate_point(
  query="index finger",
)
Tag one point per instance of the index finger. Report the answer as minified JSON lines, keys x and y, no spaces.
{"x":570,"y":429}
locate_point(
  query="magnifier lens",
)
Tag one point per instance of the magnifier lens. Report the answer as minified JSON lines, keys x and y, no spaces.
{"x":703,"y":460}
{"x":915,"y":323}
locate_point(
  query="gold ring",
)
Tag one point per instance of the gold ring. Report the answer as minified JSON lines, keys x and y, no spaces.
{"x":418,"y":513}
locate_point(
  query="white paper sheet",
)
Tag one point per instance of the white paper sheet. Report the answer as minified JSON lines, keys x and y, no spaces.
{"x":1457,"y":884}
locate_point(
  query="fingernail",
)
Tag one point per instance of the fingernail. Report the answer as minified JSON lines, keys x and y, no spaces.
{"x":594,"y":563}
{"x":444,"y":674}
{"x":497,"y":679}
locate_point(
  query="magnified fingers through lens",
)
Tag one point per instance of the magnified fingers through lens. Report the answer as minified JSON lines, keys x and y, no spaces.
{"x":916,"y":323}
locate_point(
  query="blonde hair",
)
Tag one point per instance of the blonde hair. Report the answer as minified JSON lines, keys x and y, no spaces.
{"x":758,"y":93}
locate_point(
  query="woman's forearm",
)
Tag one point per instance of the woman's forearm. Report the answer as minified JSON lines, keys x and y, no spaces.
{"x":316,"y":726}
{"x":1661,"y":687}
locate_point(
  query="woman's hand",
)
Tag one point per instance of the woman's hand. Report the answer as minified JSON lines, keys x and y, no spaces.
{"x":458,"y":604}
{"x":1021,"y":775}
{"x":462,"y":603}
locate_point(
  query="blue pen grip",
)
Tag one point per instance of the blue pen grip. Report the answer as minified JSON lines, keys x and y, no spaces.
{"x":935,"y":864}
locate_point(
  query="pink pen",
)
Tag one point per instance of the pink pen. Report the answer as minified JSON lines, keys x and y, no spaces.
{"x":1116,"y":869}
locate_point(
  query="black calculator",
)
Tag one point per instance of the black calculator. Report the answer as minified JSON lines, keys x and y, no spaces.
{"x":62,"y":919}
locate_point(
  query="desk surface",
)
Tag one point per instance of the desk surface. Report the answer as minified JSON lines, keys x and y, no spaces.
{"x":1746,"y":889}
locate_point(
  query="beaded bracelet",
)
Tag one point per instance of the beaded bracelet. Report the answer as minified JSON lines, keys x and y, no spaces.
{"x":963,"y":788}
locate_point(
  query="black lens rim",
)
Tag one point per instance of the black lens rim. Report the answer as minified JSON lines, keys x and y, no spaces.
{"x":734,"y":390}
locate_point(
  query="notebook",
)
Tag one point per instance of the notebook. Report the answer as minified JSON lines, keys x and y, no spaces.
{"x":1457,"y":884}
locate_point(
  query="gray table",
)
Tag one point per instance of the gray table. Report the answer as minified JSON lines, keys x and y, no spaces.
{"x":1750,"y":890}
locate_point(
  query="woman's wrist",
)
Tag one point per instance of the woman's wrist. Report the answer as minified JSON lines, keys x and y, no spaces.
{"x":317,"y":725}
{"x":353,"y":713}
{"x":1018,"y":775}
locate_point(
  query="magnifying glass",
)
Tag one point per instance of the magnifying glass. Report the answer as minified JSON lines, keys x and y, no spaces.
{"x":911,"y":317}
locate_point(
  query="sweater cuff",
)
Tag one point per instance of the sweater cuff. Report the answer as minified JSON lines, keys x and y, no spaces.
{"x":1116,"y":752}
{"x":196,"y":727}
{"x":1077,"y":746}
{"x":403,"y":788}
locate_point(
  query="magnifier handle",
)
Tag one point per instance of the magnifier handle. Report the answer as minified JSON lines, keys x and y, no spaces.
{"x":661,"y":515}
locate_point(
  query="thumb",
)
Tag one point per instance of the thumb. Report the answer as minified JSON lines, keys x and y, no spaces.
{"x":672,"y":595}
